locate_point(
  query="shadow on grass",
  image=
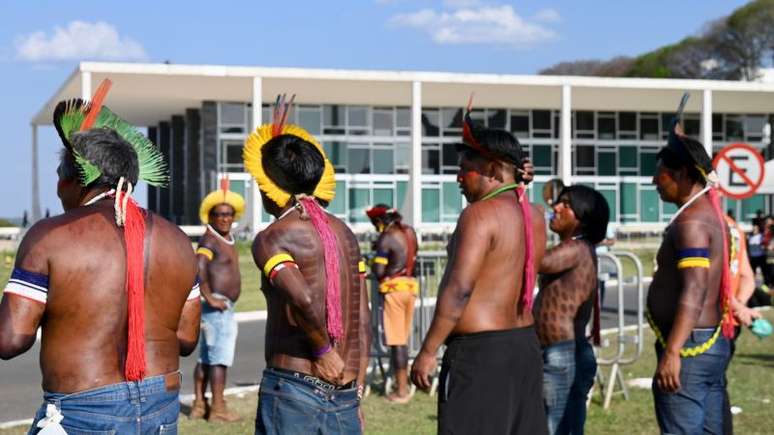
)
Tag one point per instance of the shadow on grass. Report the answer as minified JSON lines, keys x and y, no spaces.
{"x":760,"y":359}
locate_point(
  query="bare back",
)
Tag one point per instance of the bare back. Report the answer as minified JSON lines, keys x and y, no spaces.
{"x":287,"y":344}
{"x":496,"y":228}
{"x":568,"y":283}
{"x":85,"y":319}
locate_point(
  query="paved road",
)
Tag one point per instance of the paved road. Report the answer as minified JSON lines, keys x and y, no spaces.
{"x":20,"y":392}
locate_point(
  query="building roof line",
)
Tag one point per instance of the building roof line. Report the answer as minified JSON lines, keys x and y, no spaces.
{"x":422,"y":76}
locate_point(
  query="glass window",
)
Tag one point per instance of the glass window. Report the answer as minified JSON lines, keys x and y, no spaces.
{"x":383,"y":161}
{"x":627,"y":156}
{"x":266,"y":114}
{"x":358,"y":160}
{"x":647,"y":163}
{"x":717,"y":126}
{"x":520,"y":124}
{"x":430,"y":122}
{"x":309,"y":119}
{"x":384,"y":196}
{"x":337,"y":154}
{"x":338,"y":205}
{"x":402,"y":158}
{"x":751,"y":205}
{"x":648,"y":205}
{"x":610,"y":197}
{"x":584,"y":120}
{"x":667,"y":210}
{"x":584,"y":156}
{"x":496,"y":118}
{"x":628,"y":198}
{"x":232,"y":114}
{"x":692,"y":127}
{"x":734,"y":128}
{"x":452,"y":202}
{"x":333,"y":115}
{"x":606,"y":127}
{"x":403,"y":117}
{"x":401,"y":187}
{"x":666,"y":124}
{"x":431,"y":205}
{"x":430,"y":161}
{"x":541,"y":120}
{"x":383,"y":122}
{"x":451,"y":118}
{"x":606,"y":163}
{"x":627,"y":125}
{"x":450,"y":157}
{"x":359,"y":200}
{"x":753,"y":127}
{"x":649,"y":128}
{"x":541,"y":158}
{"x":357,"y":116}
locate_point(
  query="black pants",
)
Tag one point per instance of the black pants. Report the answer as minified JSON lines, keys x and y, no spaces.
{"x":492,"y":383}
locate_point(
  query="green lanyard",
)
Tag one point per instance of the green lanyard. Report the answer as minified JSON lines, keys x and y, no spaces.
{"x":494,"y":193}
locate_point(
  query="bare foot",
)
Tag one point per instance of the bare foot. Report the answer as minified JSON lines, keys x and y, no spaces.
{"x":399,"y":400}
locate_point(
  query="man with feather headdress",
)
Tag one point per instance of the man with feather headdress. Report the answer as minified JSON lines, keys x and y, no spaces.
{"x":689,"y":298}
{"x":317,"y":330}
{"x":96,"y":280}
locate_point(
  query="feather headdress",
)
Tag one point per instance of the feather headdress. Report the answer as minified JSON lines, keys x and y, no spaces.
{"x":77,"y":115}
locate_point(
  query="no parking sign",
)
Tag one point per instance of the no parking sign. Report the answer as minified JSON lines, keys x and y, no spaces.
{"x":740,"y":169}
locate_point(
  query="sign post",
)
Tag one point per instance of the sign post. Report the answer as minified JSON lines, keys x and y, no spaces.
{"x":741,"y":170}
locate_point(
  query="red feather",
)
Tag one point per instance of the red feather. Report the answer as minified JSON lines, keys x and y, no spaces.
{"x":95,"y":106}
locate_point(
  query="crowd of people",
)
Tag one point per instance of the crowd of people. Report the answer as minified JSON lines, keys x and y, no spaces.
{"x":120,"y":295}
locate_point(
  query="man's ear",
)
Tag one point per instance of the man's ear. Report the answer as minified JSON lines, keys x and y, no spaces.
{"x":493,"y":169}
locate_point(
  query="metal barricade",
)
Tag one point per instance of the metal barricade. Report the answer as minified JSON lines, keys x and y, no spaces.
{"x":428,"y":270}
{"x":621,"y":336}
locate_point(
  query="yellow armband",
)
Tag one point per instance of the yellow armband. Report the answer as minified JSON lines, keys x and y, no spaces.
{"x":206,"y":252}
{"x":277,"y":263}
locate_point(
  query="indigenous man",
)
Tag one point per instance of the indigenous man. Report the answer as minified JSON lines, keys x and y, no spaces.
{"x":742,"y":288}
{"x":568,"y":292}
{"x":317,"y":331}
{"x":688,"y":300}
{"x":393,"y":266}
{"x":220,"y":285}
{"x":96,"y":280}
{"x":492,"y":375}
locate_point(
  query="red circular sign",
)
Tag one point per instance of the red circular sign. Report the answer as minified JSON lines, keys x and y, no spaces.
{"x":740,"y":168}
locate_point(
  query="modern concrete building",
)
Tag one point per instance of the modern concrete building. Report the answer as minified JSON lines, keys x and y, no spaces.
{"x":390,"y":134}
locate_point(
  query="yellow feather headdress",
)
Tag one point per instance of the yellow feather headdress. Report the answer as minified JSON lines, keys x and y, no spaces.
{"x":222,"y":196}
{"x":252,"y":154}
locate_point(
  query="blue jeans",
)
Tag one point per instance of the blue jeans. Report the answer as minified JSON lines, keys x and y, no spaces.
{"x":288,"y":405}
{"x":698,"y":406}
{"x":558,"y":377}
{"x":128,"y":407}
{"x":585,"y":370}
{"x":218,"y":335}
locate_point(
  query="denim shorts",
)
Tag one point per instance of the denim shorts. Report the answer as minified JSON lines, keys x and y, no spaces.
{"x":147,"y":406}
{"x":218,"y":336}
{"x":698,"y":406}
{"x":289,"y":405}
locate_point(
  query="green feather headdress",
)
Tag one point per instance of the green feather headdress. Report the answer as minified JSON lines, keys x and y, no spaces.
{"x":76,"y":115}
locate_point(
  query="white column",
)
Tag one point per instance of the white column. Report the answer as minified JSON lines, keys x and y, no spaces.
{"x":414,"y":191}
{"x":35,"y":214}
{"x":565,"y":132}
{"x":86,"y":85}
{"x":706,"y":120}
{"x":257,"y":207}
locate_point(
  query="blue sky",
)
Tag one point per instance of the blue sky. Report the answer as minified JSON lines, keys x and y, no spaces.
{"x":41,"y":43}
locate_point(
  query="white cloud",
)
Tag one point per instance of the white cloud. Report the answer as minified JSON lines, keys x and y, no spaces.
{"x":499,"y":25}
{"x":548,"y":16}
{"x":79,"y":40}
{"x":459,"y":4}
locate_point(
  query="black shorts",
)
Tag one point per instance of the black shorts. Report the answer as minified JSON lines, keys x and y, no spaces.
{"x":492,"y":383}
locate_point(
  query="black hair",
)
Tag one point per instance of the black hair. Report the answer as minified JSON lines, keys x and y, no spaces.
{"x":103,"y":147}
{"x":294,"y":164}
{"x":671,"y":160}
{"x":591,"y":209}
{"x":500,"y":143}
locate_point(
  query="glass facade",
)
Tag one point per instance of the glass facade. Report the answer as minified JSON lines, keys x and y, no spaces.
{"x":369,"y":147}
